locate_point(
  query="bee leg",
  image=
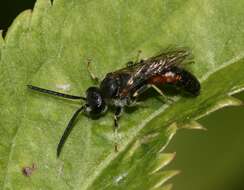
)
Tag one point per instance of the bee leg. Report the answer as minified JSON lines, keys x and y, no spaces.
{"x":166,"y":99}
{"x":138,"y":56}
{"x":117,"y":115}
{"x":141,"y":90}
{"x":146,"y":87}
{"x":129,"y":63}
{"x":137,"y":60}
{"x":94,"y":77}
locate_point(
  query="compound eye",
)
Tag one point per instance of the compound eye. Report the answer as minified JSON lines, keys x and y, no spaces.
{"x":95,"y":102}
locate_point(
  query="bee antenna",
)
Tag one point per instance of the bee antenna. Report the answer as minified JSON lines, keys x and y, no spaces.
{"x":46,"y":91}
{"x":68,"y":130}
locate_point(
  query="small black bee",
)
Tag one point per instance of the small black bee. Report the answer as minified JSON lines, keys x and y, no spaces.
{"x":123,"y":87}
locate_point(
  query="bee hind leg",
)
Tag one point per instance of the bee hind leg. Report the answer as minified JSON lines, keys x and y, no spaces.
{"x":159,"y":91}
{"x":166,"y":98}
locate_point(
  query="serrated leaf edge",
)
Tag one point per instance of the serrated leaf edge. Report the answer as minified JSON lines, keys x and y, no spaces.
{"x":170,"y":132}
{"x":224,"y":102}
{"x":163,"y":177}
{"x":162,"y":160}
{"x":165,"y":187}
{"x":193,"y":125}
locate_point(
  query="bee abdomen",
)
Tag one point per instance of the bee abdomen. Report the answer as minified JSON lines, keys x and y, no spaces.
{"x":179,"y":77}
{"x":188,"y":82}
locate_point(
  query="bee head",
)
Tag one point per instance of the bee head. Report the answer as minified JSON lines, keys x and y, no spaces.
{"x":95,"y":104}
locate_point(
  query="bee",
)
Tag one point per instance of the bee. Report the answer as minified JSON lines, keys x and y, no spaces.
{"x":123,"y":87}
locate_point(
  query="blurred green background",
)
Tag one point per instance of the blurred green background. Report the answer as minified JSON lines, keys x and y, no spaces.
{"x":209,"y":160}
{"x":212,"y":159}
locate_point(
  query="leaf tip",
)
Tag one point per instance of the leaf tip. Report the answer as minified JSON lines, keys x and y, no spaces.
{"x":224,"y":102}
{"x":193,"y":125}
{"x":162,"y":160}
{"x":170,"y":132}
{"x":161,"y":177}
{"x":167,"y":187}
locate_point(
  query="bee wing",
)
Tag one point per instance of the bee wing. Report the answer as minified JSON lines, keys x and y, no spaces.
{"x":172,"y":58}
{"x":145,"y":69}
{"x":158,"y":64}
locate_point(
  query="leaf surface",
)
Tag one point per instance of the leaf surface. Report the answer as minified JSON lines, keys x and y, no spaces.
{"x":49,"y":47}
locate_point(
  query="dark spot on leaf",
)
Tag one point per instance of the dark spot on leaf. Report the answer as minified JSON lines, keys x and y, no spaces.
{"x":28,"y":170}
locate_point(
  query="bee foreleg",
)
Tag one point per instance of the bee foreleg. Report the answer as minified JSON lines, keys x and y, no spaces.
{"x":117,"y":115}
{"x":93,"y":76}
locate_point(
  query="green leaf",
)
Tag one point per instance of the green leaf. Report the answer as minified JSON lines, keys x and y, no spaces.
{"x":49,"y":47}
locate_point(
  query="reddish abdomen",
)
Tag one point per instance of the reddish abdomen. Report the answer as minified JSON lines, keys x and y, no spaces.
{"x":166,"y":78}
